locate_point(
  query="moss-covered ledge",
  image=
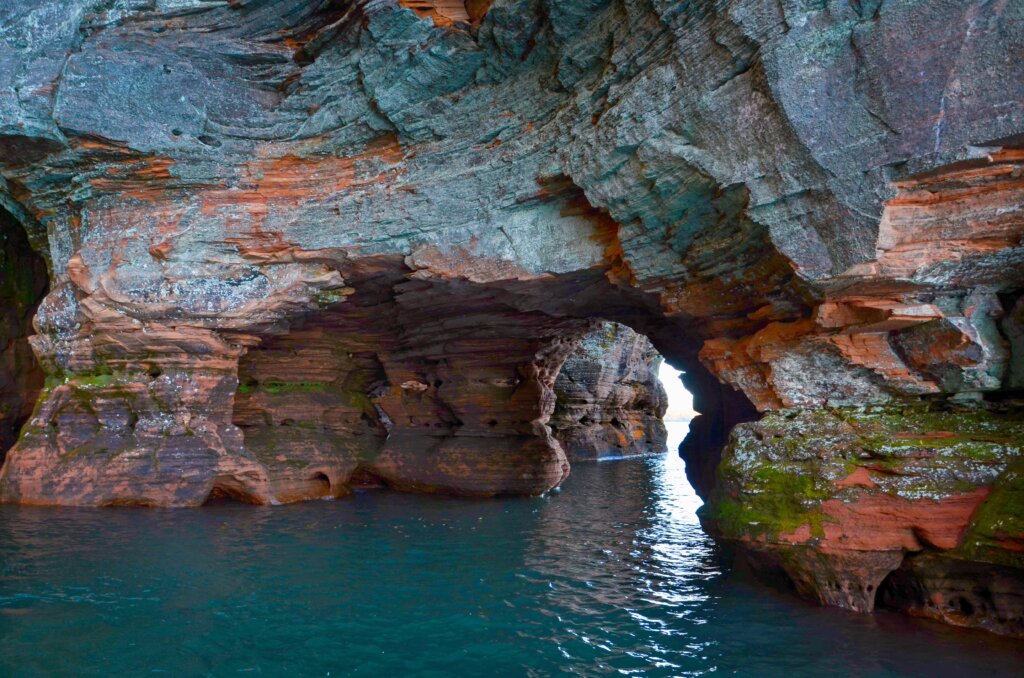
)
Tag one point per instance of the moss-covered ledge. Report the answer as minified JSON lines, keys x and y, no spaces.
{"x":839,"y":498}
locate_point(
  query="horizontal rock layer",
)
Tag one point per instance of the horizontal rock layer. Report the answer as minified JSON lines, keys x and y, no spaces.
{"x":295,"y":246}
{"x":609,"y":402}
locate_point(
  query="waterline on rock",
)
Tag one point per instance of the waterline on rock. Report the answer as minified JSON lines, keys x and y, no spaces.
{"x":611,"y":575}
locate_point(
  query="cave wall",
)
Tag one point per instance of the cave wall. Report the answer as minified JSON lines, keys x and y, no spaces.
{"x":810,"y":207}
{"x":23,"y":283}
{"x":610,"y":402}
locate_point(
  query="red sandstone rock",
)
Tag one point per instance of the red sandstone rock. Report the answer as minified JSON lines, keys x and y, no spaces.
{"x":854,"y":501}
{"x":299,"y":245}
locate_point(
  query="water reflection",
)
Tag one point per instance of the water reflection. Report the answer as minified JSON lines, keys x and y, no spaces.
{"x":610,"y":576}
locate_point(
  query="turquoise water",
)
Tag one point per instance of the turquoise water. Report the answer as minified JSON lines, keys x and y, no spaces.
{"x":611,"y":576}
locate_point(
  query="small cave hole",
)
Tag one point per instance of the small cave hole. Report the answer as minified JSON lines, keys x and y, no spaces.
{"x":962,"y":605}
{"x":228,"y":492}
{"x":322,"y":482}
{"x":212,"y":142}
{"x":900,"y":590}
{"x":492,"y":423}
{"x":363,"y":479}
{"x":154,"y":372}
{"x":176,"y":132}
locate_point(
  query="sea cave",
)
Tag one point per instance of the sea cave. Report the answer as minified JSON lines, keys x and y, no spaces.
{"x":391,"y":253}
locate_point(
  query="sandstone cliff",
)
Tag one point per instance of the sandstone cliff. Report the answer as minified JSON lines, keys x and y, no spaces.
{"x":293,"y":245}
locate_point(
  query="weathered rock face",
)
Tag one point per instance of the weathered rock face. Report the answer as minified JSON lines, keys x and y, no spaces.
{"x":906,"y":506}
{"x":610,"y":402}
{"x":296,"y":246}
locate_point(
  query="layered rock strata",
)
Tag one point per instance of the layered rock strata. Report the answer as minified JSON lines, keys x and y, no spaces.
{"x":902,"y":506}
{"x":609,"y":400}
{"x":299,"y":245}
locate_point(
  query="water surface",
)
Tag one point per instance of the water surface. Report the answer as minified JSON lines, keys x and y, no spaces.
{"x":611,"y":576}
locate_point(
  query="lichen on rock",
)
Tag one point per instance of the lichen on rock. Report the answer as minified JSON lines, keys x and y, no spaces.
{"x":839,"y":499}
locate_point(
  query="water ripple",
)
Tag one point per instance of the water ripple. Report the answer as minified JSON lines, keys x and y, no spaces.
{"x":612,"y":576}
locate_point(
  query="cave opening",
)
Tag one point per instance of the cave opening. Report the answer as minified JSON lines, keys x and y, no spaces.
{"x":680,"y":401}
{"x":24,"y":281}
{"x":476,"y":388}
{"x":679,"y":413}
{"x":322,"y":481}
{"x":445,"y":390}
{"x":610,"y":400}
{"x":227,"y":490}
{"x":471,"y":387}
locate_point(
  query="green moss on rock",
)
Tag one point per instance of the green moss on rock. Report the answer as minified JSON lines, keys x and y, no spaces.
{"x":996,"y":533}
{"x":775,"y":473}
{"x":774,"y":501}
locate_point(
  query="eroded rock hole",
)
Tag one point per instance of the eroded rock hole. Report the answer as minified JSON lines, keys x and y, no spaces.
{"x":23,"y":284}
{"x":365,"y":479}
{"x":614,"y":393}
{"x":230,"y":491}
{"x":956,"y":591}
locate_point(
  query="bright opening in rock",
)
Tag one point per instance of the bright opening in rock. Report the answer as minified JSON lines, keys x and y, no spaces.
{"x":680,"y":401}
{"x":680,"y":405}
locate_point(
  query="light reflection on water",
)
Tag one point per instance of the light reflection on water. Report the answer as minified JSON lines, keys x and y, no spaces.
{"x":610,"y":576}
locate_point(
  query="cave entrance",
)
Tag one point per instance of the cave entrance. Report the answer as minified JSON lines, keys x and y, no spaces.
{"x":448,"y":385}
{"x":227,"y":490}
{"x":700,"y":410}
{"x":617,"y":397}
{"x":24,"y":282}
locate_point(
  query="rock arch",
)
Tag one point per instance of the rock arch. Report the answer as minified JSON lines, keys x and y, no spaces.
{"x":439,"y":208}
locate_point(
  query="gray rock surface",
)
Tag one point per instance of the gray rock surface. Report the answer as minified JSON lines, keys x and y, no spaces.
{"x":610,"y":402}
